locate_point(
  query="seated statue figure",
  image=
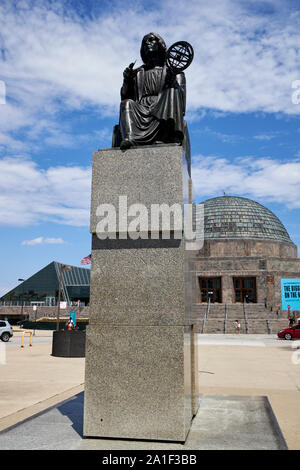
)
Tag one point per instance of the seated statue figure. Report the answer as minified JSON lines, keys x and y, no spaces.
{"x":153,"y":101}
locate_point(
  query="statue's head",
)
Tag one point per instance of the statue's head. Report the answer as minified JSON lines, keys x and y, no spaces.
{"x":153,"y":44}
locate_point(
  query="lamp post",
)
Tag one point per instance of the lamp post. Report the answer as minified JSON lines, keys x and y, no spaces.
{"x":63,"y":267}
{"x":22,"y":311}
{"x":35,"y":314}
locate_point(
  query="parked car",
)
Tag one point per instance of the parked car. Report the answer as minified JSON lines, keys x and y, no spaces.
{"x":290,"y":333}
{"x":6,"y":331}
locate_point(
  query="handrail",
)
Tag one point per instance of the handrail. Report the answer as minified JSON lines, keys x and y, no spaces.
{"x":269,"y":325}
{"x":226,"y":317}
{"x":246,"y":318}
{"x":30,"y":341}
{"x":206,"y":315}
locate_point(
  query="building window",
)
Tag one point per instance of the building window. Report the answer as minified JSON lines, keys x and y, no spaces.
{"x":244,"y":289}
{"x":210,"y":287}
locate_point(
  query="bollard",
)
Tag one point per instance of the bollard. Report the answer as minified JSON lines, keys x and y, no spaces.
{"x":30,"y":341}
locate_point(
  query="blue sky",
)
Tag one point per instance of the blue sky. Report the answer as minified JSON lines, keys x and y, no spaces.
{"x":62,"y":63}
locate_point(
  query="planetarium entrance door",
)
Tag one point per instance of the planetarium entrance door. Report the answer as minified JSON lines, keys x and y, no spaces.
{"x":245,"y":289}
{"x":210,"y":287}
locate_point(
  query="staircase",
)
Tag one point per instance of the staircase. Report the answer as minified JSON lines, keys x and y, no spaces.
{"x":253,"y":318}
{"x":236,"y":312}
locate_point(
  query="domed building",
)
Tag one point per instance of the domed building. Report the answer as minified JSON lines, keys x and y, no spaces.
{"x":247,"y":251}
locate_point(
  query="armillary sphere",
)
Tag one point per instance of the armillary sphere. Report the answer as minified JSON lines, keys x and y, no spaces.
{"x":180,"y":56}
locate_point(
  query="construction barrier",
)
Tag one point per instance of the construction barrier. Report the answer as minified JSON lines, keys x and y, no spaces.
{"x":30,"y":341}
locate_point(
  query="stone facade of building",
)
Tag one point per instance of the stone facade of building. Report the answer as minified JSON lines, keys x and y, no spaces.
{"x":246,"y":253}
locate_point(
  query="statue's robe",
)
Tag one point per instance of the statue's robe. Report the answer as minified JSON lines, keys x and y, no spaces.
{"x":152,"y":109}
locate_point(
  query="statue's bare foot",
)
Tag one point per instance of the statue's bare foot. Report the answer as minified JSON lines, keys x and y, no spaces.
{"x":126,"y":144}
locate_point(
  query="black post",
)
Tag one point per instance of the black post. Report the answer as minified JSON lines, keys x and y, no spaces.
{"x":58,"y":298}
{"x":22,"y":310}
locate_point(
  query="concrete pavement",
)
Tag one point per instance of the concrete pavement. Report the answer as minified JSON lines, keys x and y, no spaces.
{"x":230,"y":367}
{"x":255,"y":365}
{"x":30,"y":377}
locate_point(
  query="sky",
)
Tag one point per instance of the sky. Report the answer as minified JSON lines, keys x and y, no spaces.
{"x":61,"y":67}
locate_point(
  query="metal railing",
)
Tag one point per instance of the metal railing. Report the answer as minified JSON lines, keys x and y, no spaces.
{"x":26,"y":303}
{"x":246,"y":318}
{"x":269,"y":325}
{"x":18,"y":303}
{"x":206,"y":315}
{"x":226,"y":318}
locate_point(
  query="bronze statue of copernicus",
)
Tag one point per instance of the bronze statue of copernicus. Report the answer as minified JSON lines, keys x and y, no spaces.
{"x":153,"y":99}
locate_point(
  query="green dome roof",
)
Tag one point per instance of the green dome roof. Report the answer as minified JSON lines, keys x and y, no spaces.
{"x":229,"y":217}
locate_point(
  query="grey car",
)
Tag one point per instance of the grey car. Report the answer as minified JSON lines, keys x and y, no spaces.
{"x":6,"y":331}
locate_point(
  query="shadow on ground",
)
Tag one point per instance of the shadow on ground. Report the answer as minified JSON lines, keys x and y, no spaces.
{"x":223,"y":422}
{"x":73,"y":410}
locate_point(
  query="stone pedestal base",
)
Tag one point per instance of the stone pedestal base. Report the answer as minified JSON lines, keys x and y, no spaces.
{"x":136,"y":388}
{"x":140,"y":361}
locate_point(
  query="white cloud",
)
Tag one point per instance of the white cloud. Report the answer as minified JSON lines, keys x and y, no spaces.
{"x":268,"y":136}
{"x":42,"y":240}
{"x":264,"y":179}
{"x":264,"y":137}
{"x":62,"y":194}
{"x":29,"y":194}
{"x":35,"y":241}
{"x":226,"y":138}
{"x":54,"y":59}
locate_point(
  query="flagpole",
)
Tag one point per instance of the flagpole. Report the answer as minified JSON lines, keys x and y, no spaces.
{"x":63,"y":267}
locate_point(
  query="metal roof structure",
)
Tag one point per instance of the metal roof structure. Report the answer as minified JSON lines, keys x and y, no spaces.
{"x":77,"y":277}
{"x":43,"y":286}
{"x":233,"y":217}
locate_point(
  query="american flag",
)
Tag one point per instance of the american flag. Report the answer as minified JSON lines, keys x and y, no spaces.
{"x":86,"y":260}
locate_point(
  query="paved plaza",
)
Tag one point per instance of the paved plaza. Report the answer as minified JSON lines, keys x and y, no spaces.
{"x":249,"y":397}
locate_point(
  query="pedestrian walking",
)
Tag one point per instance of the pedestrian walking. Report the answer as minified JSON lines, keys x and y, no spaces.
{"x":70,"y":324}
{"x":291,"y":320}
{"x":237,"y":326}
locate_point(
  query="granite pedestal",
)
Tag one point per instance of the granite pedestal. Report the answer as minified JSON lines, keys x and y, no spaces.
{"x":140,"y":358}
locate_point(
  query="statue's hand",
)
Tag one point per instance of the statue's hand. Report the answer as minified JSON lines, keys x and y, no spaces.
{"x":128,"y":72}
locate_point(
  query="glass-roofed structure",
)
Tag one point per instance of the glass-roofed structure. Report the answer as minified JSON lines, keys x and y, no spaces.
{"x":42,"y":287}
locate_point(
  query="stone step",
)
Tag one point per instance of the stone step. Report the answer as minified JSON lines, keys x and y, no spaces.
{"x":251,"y":317}
{"x":258,"y":329}
{"x":279,"y":325}
{"x":256,"y":309}
{"x":257,"y":320}
{"x":230,"y":331}
{"x":214,"y":326}
{"x":281,"y":316}
{"x":257,"y":316}
{"x":235,"y":316}
{"x":216,"y":315}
